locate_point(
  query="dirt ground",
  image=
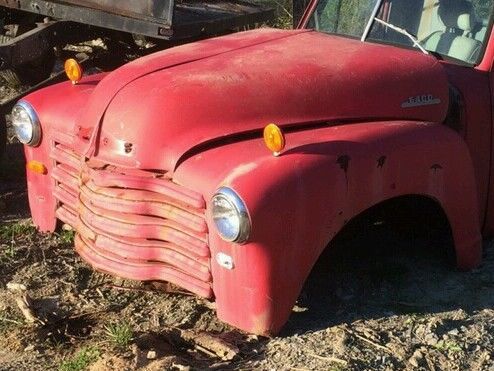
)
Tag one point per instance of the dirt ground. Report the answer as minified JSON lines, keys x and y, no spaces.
{"x":380,"y":302}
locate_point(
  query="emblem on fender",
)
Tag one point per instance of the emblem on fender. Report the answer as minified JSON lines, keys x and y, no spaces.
{"x":420,"y":100}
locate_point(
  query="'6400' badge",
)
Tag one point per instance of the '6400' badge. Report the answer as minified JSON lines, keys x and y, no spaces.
{"x":420,"y":100}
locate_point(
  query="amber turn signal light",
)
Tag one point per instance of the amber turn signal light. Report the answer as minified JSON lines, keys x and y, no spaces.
{"x":73,"y":70}
{"x":37,"y":167}
{"x":274,"y":139}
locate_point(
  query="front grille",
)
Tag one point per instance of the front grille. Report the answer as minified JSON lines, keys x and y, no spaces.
{"x":132,"y":223}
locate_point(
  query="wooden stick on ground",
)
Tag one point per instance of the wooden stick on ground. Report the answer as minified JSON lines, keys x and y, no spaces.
{"x":24,"y":302}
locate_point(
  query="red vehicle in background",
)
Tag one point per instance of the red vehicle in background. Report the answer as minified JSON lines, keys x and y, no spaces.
{"x":227,"y":166}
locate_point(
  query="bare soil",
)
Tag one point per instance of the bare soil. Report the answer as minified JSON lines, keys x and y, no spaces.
{"x":379,"y":301}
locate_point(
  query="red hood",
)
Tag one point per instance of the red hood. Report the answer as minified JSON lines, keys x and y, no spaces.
{"x":186,"y":96}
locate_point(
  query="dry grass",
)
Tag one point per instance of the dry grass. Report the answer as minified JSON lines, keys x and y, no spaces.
{"x":284,"y":12}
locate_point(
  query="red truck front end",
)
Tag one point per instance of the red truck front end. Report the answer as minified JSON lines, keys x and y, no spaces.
{"x":161,"y":169}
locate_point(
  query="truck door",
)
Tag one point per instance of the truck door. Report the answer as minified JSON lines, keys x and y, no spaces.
{"x":456,"y":30}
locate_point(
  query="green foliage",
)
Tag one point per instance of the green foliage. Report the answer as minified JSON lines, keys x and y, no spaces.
{"x":66,"y":237}
{"x":283,"y":12}
{"x":81,"y":360}
{"x":448,"y":346}
{"x":350,"y":16}
{"x":344,"y":16}
{"x":7,"y":253}
{"x":119,"y":334}
{"x":12,"y":230}
{"x":10,"y":234}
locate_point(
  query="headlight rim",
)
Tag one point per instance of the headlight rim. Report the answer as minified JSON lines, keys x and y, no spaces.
{"x":236,"y":201}
{"x":35,"y":122}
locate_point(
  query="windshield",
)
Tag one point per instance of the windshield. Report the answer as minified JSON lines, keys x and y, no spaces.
{"x":455,"y":29}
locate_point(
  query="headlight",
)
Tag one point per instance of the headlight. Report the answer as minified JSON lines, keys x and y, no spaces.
{"x":26,"y":124}
{"x":230,"y":216}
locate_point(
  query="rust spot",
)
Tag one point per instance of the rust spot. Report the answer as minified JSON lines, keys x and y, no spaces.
{"x":340,"y":213}
{"x":393,"y":185}
{"x":260,"y":323}
{"x":128,"y":147}
{"x":436,"y":167}
{"x":84,"y":133}
{"x":343,"y":161}
{"x":381,"y":161}
{"x":105,"y":141}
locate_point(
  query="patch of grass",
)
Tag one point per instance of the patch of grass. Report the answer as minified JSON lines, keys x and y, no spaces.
{"x":81,"y":360}
{"x":413,"y":318}
{"x":66,"y":237}
{"x":10,"y":235}
{"x":7,"y":323}
{"x":8,"y":253}
{"x":119,"y":334}
{"x":448,"y":346}
{"x":12,"y":230}
{"x":283,"y":13}
{"x":338,"y":367}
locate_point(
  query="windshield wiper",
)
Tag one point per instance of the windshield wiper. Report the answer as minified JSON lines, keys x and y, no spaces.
{"x":371,"y":20}
{"x":403,"y":32}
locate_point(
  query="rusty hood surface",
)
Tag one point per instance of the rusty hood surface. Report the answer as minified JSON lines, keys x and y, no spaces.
{"x":155,"y":110}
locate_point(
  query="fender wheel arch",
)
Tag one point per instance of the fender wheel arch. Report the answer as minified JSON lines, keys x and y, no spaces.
{"x":410,"y":218}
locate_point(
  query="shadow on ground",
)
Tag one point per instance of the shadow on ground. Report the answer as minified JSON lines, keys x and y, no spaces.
{"x":375,"y":272}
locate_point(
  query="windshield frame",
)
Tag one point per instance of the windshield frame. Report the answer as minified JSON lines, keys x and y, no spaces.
{"x":312,"y":7}
{"x":371,"y":21}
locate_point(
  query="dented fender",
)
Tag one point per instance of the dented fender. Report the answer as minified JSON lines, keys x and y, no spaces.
{"x":300,"y":200}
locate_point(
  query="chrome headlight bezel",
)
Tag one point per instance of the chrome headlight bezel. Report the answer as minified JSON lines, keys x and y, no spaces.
{"x":35,"y":126}
{"x":237,"y":206}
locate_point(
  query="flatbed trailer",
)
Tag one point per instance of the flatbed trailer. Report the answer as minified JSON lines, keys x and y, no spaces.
{"x":33,"y":34}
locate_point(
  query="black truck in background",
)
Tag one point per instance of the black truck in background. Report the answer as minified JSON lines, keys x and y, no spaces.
{"x":37,"y":35}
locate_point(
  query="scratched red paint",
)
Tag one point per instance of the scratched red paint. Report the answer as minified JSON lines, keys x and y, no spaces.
{"x":134,"y":157}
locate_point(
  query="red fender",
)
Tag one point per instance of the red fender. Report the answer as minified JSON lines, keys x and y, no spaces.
{"x":57,"y":120}
{"x":299,"y":201}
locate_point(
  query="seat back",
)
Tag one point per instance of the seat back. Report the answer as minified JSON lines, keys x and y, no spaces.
{"x":480,"y":30}
{"x":456,"y":40}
